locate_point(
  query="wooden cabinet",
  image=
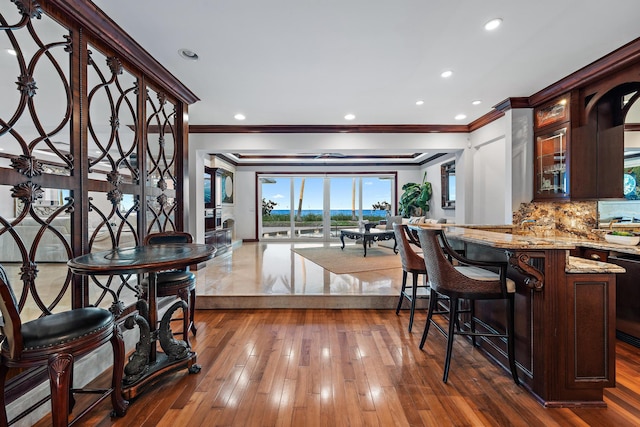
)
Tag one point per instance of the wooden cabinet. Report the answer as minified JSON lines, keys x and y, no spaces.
{"x":627,"y":291}
{"x":588,"y":317}
{"x":598,"y":151}
{"x":551,"y":150}
{"x":551,"y":174}
{"x":578,"y":161}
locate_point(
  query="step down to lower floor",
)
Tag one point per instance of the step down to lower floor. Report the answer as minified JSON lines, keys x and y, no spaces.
{"x":301,"y":301}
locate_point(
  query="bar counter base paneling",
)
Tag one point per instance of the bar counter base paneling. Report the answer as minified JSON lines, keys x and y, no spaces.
{"x":565,"y":316}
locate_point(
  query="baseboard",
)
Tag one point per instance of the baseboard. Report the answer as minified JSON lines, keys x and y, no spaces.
{"x":212,"y":302}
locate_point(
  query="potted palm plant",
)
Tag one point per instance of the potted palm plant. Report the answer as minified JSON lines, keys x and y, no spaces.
{"x":414,"y":201}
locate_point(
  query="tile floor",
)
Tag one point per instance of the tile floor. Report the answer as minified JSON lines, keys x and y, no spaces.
{"x":253,"y":271}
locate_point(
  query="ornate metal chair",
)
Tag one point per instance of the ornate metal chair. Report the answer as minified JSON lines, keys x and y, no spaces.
{"x":470,"y":280}
{"x":56,"y":341}
{"x":181,"y":283}
{"x":414,"y":264}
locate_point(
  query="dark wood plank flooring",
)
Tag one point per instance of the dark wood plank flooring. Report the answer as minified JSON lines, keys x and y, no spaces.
{"x":316,"y":367}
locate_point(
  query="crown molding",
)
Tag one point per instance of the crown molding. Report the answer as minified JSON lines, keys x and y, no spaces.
{"x":401,"y":128}
{"x":613,"y":62}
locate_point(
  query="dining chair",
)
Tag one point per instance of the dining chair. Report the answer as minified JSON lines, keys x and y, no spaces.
{"x":56,"y":341}
{"x":180,"y":283}
{"x":412,"y":263}
{"x":470,"y":280}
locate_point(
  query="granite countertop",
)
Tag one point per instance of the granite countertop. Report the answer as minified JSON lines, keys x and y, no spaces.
{"x":602,"y":245}
{"x":479,"y":233}
{"x":504,"y":240}
{"x":520,"y":242}
{"x":581,"y":265}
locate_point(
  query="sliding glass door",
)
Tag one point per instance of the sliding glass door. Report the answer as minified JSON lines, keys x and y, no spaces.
{"x":317,"y":207}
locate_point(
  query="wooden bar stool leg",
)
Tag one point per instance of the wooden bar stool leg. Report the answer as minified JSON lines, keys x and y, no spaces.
{"x":183,"y":294}
{"x":433,"y":300}
{"x":414,"y":297}
{"x":453,"y":314}
{"x":117,"y":399}
{"x":3,"y":408}
{"x":402,"y":289}
{"x":511,"y":347}
{"x":192,"y":310}
{"x":60,"y":367}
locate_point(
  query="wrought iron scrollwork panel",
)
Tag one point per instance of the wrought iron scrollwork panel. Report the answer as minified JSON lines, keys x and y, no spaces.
{"x":112,"y":126}
{"x":161,"y":158}
{"x":35,"y":112}
{"x":113,"y":223}
{"x":37,"y":237}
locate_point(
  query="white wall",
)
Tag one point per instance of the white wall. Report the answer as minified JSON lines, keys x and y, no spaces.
{"x":492,"y":182}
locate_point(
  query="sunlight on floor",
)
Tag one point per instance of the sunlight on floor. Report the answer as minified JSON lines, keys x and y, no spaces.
{"x":274,"y":269}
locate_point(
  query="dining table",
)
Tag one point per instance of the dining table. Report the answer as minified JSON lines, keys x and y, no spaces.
{"x":146,"y":364}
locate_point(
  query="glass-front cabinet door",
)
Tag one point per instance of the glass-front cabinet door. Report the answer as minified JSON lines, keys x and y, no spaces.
{"x":551,"y":179}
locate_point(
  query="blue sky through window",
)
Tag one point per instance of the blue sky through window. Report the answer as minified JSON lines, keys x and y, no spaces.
{"x":373,"y":189}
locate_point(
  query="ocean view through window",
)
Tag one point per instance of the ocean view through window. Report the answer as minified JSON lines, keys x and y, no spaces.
{"x":317,"y":207}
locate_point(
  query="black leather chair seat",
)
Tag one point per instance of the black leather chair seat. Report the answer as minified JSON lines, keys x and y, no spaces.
{"x":65,"y":327}
{"x":171,"y":278}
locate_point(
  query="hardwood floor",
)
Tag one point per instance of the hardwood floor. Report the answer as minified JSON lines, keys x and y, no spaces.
{"x":318,"y":367}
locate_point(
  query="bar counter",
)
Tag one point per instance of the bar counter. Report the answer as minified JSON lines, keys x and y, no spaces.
{"x":565,"y":314}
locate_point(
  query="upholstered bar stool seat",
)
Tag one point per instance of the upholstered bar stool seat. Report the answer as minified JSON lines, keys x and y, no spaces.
{"x":56,"y":341}
{"x":63,"y":328}
{"x":171,"y":282}
{"x":481,"y":274}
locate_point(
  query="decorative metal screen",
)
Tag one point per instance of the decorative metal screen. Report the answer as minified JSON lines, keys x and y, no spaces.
{"x":87,"y":159}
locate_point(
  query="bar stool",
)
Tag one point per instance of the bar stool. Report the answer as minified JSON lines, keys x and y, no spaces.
{"x":470,"y":280}
{"x":56,"y":340}
{"x":412,"y":263}
{"x":180,"y":283}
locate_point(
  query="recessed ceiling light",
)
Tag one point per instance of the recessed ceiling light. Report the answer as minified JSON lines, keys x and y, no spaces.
{"x":460,"y":117}
{"x":446,"y":74}
{"x":11,"y":52}
{"x":349,"y":116}
{"x":420,"y":102}
{"x":239,"y":116}
{"x":493,"y":24}
{"x":188,"y":54}
{"x":476,"y":102}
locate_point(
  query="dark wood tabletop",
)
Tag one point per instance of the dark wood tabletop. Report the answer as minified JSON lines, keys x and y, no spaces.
{"x":141,"y":259}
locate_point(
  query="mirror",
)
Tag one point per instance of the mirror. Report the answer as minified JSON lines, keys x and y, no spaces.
{"x":448,"y":175}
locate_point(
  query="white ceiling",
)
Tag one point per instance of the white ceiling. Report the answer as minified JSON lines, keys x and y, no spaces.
{"x":310,"y":62}
{"x":313,"y":61}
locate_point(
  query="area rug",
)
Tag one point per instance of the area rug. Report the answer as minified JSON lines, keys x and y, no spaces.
{"x":351,"y":259}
